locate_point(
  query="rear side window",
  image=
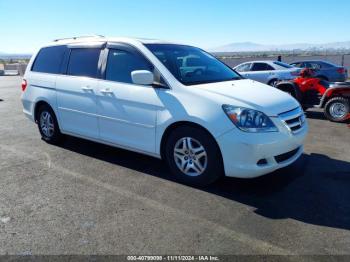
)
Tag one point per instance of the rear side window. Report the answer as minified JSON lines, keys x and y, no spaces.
{"x":49,"y":60}
{"x":84,"y":62}
{"x":121,"y":63}
{"x":327,"y":65}
{"x":261,"y":67}
{"x":243,"y":68}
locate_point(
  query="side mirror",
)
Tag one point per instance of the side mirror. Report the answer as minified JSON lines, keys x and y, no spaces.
{"x":142,"y":77}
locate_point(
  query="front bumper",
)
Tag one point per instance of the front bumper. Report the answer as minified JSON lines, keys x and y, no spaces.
{"x":249,"y":155}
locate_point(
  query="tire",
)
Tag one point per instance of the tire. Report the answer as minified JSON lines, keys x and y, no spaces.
{"x":48,"y":125}
{"x":273,"y":82}
{"x":204,"y":166}
{"x":337,"y":109}
{"x":305,"y":108}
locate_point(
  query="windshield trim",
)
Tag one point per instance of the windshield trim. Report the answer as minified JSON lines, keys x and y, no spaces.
{"x":239,"y":76}
{"x":213,"y":81}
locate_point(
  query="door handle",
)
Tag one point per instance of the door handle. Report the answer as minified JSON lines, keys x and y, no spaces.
{"x":106,"y":91}
{"x":87,"y":88}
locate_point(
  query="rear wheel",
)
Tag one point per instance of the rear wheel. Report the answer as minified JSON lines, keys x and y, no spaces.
{"x":48,"y":126}
{"x":193,"y":156}
{"x":337,"y":109}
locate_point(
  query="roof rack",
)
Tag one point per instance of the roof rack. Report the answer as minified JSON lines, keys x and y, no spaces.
{"x":78,"y":37}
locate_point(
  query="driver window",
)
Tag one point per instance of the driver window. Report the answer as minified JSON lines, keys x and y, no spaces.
{"x":121,"y":63}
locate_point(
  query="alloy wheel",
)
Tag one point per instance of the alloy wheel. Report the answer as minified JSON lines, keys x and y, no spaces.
{"x":337,"y":110}
{"x":190,"y":156}
{"x":46,"y":124}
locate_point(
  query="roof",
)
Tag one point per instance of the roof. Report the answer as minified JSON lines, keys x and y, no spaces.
{"x":317,"y":61}
{"x":260,"y":61}
{"x":98,"y":38}
{"x":300,"y":61}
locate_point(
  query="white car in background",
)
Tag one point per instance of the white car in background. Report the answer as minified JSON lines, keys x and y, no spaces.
{"x":267,"y":72}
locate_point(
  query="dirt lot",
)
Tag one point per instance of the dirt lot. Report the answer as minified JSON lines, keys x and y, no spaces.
{"x":86,"y":198}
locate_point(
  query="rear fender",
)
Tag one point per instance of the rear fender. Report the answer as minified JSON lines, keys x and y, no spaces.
{"x":333,"y":92}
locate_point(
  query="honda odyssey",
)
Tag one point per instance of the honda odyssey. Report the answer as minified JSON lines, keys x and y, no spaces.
{"x":170,"y":101}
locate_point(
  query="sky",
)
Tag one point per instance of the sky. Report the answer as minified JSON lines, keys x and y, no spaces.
{"x":27,"y":24}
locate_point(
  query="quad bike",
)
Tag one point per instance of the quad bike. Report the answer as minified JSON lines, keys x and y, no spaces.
{"x":333,"y":97}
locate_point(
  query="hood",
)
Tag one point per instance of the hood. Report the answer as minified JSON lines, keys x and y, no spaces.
{"x":251,"y":94}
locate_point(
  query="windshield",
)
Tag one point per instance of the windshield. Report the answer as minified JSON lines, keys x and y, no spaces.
{"x":282,"y":64}
{"x":191,"y":65}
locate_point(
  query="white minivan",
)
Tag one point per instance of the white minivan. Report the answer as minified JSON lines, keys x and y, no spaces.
{"x":134,"y":94}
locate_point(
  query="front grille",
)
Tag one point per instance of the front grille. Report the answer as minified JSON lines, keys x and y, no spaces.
{"x":293,"y":119}
{"x":286,"y":156}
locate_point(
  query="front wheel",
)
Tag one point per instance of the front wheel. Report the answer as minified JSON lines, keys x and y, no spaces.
{"x":193,"y":156}
{"x":337,"y":109}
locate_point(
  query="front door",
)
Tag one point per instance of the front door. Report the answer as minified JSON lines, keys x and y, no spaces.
{"x":127,"y":112}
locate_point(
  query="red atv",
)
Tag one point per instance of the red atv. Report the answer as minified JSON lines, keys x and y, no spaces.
{"x":334,"y":97}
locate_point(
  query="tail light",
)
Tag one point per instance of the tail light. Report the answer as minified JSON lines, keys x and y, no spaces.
{"x":24,"y":85}
{"x":341,"y":70}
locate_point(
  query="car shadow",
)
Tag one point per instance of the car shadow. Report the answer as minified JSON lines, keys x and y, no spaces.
{"x":320,"y":116}
{"x":314,"y":190}
{"x":315,"y":115}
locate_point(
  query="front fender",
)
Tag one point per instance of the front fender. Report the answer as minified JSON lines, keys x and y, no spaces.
{"x":286,"y":86}
{"x":198,"y":110}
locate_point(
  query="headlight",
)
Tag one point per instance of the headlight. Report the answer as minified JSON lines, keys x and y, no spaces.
{"x":249,"y":120}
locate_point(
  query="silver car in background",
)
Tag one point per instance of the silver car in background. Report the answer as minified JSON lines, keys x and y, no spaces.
{"x":324,"y":70}
{"x":267,"y":72}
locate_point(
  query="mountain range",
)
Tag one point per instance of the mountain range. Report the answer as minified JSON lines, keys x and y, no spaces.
{"x":14,"y":56}
{"x":244,"y":47}
{"x":254,"y":47}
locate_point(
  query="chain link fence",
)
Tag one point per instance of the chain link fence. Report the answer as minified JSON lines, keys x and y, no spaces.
{"x":230,"y":60}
